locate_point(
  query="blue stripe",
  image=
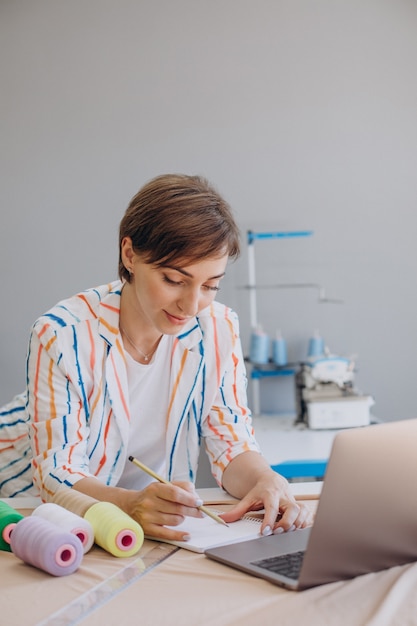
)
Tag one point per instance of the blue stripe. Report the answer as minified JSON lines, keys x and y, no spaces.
{"x":80,"y":379}
{"x":191,"y":330}
{"x":65,"y":426}
{"x":14,"y":409}
{"x":113,"y":469}
{"x":14,"y":423}
{"x":99,"y":434}
{"x":19,"y":491}
{"x":180,"y":421}
{"x":26,"y":469}
{"x":56,"y":319}
{"x":75,"y":317}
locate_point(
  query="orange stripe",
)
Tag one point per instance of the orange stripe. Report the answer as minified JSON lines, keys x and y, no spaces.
{"x":216,"y":345}
{"x":86,"y":302}
{"x":50,"y":342}
{"x":95,"y":402}
{"x":242,"y":408}
{"x":92,"y":355}
{"x":73,"y":447}
{"x":39,"y":467}
{"x":8,"y":440}
{"x":221,"y":465}
{"x":106,"y":432}
{"x":43,"y":330}
{"x":35,"y":393}
{"x":177,"y":382}
{"x":72,"y":472}
{"x":48,"y":424}
{"x":112,"y":329}
{"x":93,"y":348}
{"x":214,"y":429}
{"x":175,"y":346}
{"x":119,"y":386}
{"x":227,"y":425}
{"x":110,"y":308}
{"x":230,"y":325}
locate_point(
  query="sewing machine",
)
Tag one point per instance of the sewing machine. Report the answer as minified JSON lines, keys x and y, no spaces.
{"x":326,"y":397}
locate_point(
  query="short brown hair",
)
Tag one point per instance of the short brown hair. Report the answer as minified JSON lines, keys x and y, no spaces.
{"x":178,"y":217}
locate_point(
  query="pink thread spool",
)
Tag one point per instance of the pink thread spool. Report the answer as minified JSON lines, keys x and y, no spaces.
{"x":40,"y":543}
{"x":9,"y":517}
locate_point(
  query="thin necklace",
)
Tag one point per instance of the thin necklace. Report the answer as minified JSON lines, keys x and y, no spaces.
{"x":145,"y":356}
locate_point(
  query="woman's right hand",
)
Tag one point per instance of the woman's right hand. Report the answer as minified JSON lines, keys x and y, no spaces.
{"x":160,"y":505}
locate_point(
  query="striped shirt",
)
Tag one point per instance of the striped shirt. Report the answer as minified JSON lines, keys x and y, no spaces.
{"x":73,"y":419}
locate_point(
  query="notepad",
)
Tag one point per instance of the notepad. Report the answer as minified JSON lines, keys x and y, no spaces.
{"x":207,"y":533}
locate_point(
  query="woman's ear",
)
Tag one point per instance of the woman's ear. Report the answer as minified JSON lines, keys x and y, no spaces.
{"x":127,"y":253}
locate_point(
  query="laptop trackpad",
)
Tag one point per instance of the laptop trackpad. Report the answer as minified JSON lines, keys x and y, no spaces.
{"x":246,"y":552}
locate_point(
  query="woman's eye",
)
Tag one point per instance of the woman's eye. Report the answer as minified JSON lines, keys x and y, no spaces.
{"x":170,"y":281}
{"x":179,"y":283}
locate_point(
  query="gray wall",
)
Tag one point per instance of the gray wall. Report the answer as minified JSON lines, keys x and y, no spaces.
{"x":303,"y":114}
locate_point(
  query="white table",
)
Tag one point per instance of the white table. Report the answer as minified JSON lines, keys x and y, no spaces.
{"x":303,"y":451}
{"x":281,"y":440}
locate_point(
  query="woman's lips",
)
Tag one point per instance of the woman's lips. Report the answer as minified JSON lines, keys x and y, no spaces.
{"x":180,"y":321}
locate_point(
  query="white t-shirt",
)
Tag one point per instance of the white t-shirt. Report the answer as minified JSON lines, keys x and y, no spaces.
{"x":148,"y":398}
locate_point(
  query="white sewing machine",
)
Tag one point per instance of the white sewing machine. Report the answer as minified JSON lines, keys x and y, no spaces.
{"x":326,"y":397}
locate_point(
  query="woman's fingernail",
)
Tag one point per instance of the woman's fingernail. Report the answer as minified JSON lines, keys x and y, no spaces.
{"x":278,"y":530}
{"x":267,"y":531}
{"x":199,"y":502}
{"x":186,"y":537}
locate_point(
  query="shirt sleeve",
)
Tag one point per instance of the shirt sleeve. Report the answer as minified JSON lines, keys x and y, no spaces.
{"x":228,"y":429}
{"x":57,"y":416}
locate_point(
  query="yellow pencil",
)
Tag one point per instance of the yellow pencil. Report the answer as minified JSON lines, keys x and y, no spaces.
{"x":160,"y":479}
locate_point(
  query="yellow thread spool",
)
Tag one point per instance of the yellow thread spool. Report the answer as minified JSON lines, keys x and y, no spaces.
{"x":114,"y":530}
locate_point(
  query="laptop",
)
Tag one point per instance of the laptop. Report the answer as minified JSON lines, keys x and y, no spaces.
{"x":366,"y":519}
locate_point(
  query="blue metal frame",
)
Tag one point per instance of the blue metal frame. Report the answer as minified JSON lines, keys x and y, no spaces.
{"x":277,"y":235}
{"x":257,"y":373}
{"x":307,"y":468}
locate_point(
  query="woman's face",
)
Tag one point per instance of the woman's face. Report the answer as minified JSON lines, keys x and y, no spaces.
{"x":167,"y":297}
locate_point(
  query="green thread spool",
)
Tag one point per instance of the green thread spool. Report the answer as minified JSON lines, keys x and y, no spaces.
{"x":9,"y":517}
{"x":114,"y":530}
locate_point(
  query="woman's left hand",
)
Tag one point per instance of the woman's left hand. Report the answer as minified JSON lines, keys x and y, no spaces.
{"x":270,"y":492}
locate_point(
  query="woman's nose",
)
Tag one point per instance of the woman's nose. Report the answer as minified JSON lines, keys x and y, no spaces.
{"x":188,"y":304}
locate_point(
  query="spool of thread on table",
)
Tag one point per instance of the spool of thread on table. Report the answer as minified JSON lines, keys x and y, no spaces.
{"x":114,"y":530}
{"x":68,"y":522}
{"x":41,"y":543}
{"x":9,"y":517}
{"x":73,"y":500}
{"x":259,"y":346}
{"x":279,"y":350}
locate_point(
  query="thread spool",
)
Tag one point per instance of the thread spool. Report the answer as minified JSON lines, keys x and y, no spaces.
{"x":9,"y":517}
{"x":315,"y":345}
{"x":68,"y":522}
{"x":40,"y":543}
{"x":259,"y":346}
{"x":114,"y":530}
{"x":73,"y":500}
{"x":279,"y":350}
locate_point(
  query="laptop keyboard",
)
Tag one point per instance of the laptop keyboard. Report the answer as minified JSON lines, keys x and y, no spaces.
{"x":288,"y":565}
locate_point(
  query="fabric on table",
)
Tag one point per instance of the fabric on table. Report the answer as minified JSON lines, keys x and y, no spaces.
{"x":188,"y":589}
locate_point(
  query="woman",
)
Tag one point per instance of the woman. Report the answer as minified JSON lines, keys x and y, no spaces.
{"x":150,"y":366}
